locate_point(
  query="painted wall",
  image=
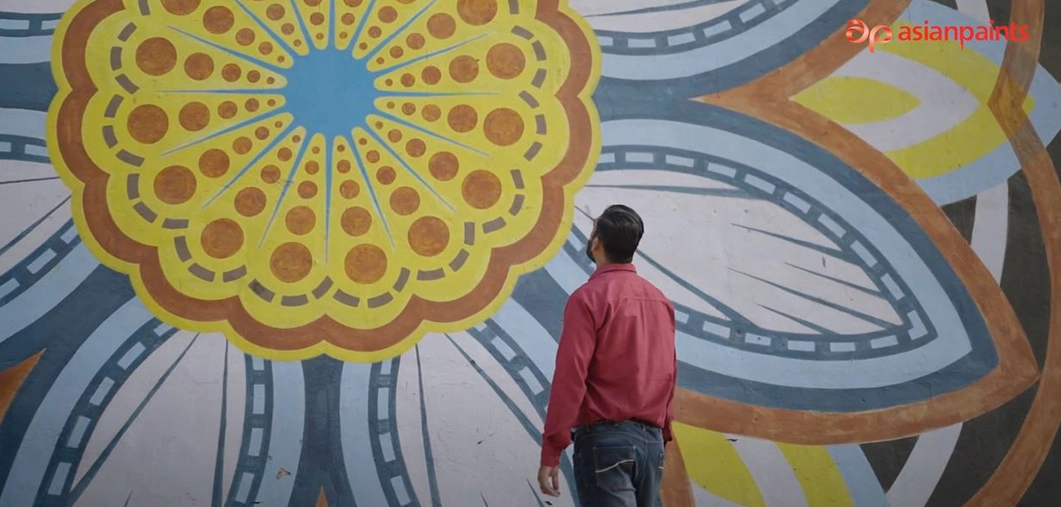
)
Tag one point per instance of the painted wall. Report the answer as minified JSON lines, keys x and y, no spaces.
{"x":304,"y":252}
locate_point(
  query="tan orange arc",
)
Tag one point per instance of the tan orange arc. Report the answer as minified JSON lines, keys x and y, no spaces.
{"x":1026,"y":455}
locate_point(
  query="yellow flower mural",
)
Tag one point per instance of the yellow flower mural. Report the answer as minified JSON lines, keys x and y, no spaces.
{"x":324,"y":177}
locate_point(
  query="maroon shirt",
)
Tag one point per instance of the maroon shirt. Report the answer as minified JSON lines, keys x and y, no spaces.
{"x":616,"y":358}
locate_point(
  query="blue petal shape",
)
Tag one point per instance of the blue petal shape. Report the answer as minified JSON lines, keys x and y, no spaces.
{"x":883,"y":316}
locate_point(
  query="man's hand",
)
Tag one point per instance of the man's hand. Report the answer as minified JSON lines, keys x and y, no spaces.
{"x":549,"y":480}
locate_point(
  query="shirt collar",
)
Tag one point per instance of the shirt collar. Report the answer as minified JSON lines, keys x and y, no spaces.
{"x":607,"y":268}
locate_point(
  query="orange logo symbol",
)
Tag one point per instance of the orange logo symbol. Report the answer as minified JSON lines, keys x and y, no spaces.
{"x":858,"y":32}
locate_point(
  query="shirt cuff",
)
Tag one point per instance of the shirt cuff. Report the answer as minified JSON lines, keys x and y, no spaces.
{"x":550,"y":456}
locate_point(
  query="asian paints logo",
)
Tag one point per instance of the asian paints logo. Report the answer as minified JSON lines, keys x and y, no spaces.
{"x":858,"y":32}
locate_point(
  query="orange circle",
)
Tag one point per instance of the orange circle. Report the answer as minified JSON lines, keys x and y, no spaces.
{"x":408,"y":108}
{"x":194,"y":116}
{"x":250,"y":201}
{"x":481,"y":189}
{"x":156,"y":56}
{"x":227,"y":109}
{"x":148,"y":124}
{"x":275,"y":12}
{"x":431,"y":74}
{"x":291,"y":262}
{"x":242,"y":145}
{"x":300,"y":220}
{"x":252,"y":105}
{"x":343,"y":166}
{"x":313,"y":3}
{"x":352,"y":3}
{"x":462,"y":118}
{"x":356,"y":221}
{"x":254,"y":76}
{"x":387,"y":14}
{"x":222,"y":238}
{"x":316,"y":18}
{"x":175,"y":185}
{"x":397,"y":52}
{"x":218,"y":20}
{"x":180,"y":7}
{"x":415,"y":41}
{"x":372,"y":156}
{"x":477,"y":12}
{"x":415,"y":148}
{"x":503,"y":126}
{"x":463,"y":69}
{"x":405,"y":201}
{"x":230,"y":72}
{"x":505,"y":60}
{"x":265,"y":48}
{"x":431,"y":112}
{"x":261,"y":133}
{"x":307,"y":189}
{"x":374,"y":32}
{"x":386,"y":175}
{"x":408,"y":80}
{"x":365,"y":264}
{"x":428,"y":236}
{"x":245,"y":36}
{"x":441,"y":26}
{"x":443,"y":165}
{"x":213,"y":163}
{"x":348,"y":19}
{"x":270,"y":174}
{"x":312,"y":167}
{"x":199,"y":66}
{"x":284,"y":154}
{"x":349,"y":189}
{"x":394,"y":135}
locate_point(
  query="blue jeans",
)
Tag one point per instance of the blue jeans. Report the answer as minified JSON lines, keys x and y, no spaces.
{"x":618,"y":464}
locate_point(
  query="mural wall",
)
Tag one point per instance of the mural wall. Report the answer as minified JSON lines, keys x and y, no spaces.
{"x":315,"y":252}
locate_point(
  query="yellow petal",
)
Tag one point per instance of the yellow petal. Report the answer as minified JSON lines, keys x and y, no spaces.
{"x":713,"y":463}
{"x":854,"y":100}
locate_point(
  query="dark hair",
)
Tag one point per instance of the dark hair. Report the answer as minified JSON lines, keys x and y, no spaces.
{"x":619,"y":229}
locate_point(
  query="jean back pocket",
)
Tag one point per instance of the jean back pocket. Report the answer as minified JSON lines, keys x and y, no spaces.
{"x":613,"y":467}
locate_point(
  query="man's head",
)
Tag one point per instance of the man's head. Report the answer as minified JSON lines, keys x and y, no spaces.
{"x":616,"y":234}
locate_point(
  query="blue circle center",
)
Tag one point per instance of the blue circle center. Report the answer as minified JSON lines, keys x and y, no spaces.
{"x":329,"y":92}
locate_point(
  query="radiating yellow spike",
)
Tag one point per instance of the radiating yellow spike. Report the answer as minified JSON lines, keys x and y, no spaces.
{"x":713,"y":463}
{"x":823,"y":486}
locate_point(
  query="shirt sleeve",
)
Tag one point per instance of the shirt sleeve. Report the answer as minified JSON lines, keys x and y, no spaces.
{"x":668,"y":435}
{"x":578,"y":339}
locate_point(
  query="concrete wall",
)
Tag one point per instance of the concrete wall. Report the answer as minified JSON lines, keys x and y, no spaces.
{"x":291,"y":253}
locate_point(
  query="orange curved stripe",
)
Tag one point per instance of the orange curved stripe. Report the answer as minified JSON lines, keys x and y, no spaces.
{"x":818,"y":63}
{"x":676,"y":490}
{"x":1029,"y":450}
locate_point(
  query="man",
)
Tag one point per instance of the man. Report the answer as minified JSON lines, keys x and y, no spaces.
{"x":615,"y":375}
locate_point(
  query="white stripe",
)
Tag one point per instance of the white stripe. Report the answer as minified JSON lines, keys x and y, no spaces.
{"x":924,"y":467}
{"x":652,"y":22}
{"x":25,"y":49}
{"x":989,"y":227}
{"x":770,"y":470}
{"x":976,"y":9}
{"x":35,"y":6}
